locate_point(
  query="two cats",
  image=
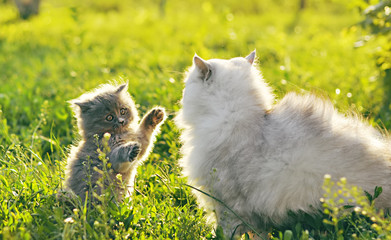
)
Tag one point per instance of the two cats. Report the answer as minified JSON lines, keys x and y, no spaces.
{"x":264,"y":159}
{"x":109,"y":113}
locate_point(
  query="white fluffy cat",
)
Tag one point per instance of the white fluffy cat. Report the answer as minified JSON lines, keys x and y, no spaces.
{"x":264,"y":159}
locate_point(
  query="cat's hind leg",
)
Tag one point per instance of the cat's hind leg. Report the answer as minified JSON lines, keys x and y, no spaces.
{"x":233,"y":227}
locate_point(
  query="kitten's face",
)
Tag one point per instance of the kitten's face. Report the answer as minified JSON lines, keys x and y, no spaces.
{"x":110,"y":110}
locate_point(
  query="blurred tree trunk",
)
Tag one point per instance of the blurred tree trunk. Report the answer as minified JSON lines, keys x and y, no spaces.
{"x":27,"y":8}
{"x":162,"y":7}
{"x":387,"y":88}
{"x":303,"y":4}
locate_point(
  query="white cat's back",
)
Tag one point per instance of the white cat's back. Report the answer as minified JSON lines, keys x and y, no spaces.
{"x":314,"y":132}
{"x":307,"y":139}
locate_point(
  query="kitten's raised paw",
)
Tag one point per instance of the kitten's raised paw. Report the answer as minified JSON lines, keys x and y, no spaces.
{"x":134,"y":152}
{"x":156,"y":116}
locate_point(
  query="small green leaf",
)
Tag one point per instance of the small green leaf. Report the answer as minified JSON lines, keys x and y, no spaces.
{"x":288,"y":235}
{"x":369,"y":196}
{"x":298,"y":228}
{"x":246,"y":236}
{"x":378,"y":191}
{"x":219,"y":233}
{"x":348,"y":206}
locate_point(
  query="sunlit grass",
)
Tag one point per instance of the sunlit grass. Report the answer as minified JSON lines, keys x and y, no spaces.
{"x":73,"y":46}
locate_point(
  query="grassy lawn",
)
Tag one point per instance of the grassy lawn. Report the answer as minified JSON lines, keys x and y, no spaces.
{"x":73,"y":46}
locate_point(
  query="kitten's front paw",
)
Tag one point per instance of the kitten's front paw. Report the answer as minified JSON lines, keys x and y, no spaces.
{"x":134,"y":152}
{"x":156,"y":116}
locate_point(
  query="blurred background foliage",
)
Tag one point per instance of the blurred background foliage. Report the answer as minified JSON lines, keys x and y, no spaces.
{"x":377,"y":23}
{"x":336,"y":48}
{"x":78,"y":44}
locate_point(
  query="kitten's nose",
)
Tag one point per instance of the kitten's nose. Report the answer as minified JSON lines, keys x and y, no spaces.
{"x":121,"y":121}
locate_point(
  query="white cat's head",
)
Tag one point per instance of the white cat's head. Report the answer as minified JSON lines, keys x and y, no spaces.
{"x":215,"y":86}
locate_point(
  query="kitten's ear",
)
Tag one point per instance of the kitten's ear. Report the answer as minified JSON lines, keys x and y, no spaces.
{"x":84,"y":106}
{"x":122,"y":87}
{"x":202,"y":66}
{"x":250,"y":58}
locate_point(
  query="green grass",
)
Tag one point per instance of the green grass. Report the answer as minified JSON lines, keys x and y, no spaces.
{"x":73,"y":46}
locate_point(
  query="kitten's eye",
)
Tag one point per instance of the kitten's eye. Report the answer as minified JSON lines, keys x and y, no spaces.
{"x":109,"y":117}
{"x":123,"y":111}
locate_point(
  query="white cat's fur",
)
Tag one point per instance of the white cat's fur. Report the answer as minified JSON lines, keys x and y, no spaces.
{"x":264,"y":159}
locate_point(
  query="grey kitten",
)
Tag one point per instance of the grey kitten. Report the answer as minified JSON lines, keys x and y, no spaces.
{"x":109,"y":113}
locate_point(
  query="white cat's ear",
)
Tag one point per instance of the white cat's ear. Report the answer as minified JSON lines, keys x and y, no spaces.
{"x":251,"y":57}
{"x":202,"y":66}
{"x":122,"y":87}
